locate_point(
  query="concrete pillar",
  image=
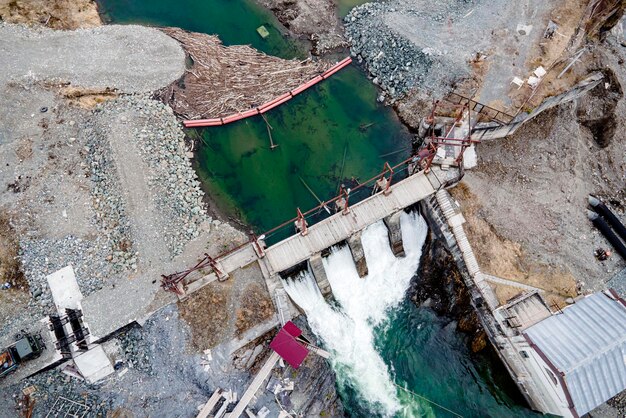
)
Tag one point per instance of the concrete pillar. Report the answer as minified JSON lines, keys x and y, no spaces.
{"x":316,"y":266}
{"x":395,"y":233}
{"x":358,"y":255}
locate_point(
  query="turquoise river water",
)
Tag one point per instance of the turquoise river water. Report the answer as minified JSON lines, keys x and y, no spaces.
{"x":327,"y":135}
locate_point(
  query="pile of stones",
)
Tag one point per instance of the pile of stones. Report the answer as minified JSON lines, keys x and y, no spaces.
{"x":161,"y":141}
{"x":108,"y":203}
{"x":395,"y":63}
{"x":41,"y":257}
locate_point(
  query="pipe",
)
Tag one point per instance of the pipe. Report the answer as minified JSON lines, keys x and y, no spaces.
{"x":603,"y":210}
{"x":275,"y":100}
{"x":248,"y":113}
{"x":333,"y":70}
{"x":202,"y":122}
{"x":608,"y":233}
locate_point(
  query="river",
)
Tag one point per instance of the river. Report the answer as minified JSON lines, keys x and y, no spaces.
{"x":328,"y":135}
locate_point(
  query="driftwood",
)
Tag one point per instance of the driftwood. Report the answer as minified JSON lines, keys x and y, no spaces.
{"x":226,"y":80}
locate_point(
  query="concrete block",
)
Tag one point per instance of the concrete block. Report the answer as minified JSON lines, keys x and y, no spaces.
{"x":64,"y":288}
{"x":358,"y":255}
{"x":316,"y":266}
{"x":94,"y":364}
{"x":395,"y":233}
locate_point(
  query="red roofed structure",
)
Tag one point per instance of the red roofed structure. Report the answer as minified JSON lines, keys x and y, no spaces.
{"x":286,"y":345}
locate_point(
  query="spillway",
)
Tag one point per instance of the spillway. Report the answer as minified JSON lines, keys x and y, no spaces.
{"x":348,"y":329}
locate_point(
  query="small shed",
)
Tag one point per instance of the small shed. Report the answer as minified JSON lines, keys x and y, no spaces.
{"x":584,"y":349}
{"x":286,"y":345}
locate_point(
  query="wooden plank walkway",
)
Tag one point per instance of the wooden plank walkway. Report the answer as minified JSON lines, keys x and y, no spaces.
{"x":339,"y":227}
{"x":210,"y":405}
{"x":255,"y":385}
{"x":513,"y":283}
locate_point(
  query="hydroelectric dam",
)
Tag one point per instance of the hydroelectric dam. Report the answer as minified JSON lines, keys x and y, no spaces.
{"x":386,"y":203}
{"x":365,"y":254}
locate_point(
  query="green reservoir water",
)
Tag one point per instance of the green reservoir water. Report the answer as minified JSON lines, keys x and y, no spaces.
{"x":314,"y":131}
{"x":235,"y":21}
{"x":344,"y":6}
{"x":322,"y":142}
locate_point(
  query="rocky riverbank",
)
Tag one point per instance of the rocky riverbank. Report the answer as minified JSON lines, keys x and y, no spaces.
{"x":439,"y":286}
{"x":396,"y":63}
{"x":317,"y":20}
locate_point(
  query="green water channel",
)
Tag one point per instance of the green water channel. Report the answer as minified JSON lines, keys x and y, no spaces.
{"x":429,"y":356}
{"x":344,"y":6}
{"x":235,"y":21}
{"x":322,"y":142}
{"x":329,"y":134}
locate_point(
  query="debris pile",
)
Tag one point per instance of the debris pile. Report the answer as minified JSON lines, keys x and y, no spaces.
{"x":226,"y":80}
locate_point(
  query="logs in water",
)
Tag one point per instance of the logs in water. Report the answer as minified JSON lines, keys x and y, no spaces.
{"x":227,"y":80}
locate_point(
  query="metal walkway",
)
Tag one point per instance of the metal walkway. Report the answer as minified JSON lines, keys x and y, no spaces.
{"x":455,"y":221}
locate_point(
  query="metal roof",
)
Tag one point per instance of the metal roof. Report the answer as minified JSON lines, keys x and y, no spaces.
{"x":286,"y":345}
{"x":587,"y":343}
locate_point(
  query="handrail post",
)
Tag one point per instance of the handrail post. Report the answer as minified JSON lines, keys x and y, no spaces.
{"x":384,"y":183}
{"x":342,"y":203}
{"x":258,"y":246}
{"x":388,"y":190}
{"x":301,"y":224}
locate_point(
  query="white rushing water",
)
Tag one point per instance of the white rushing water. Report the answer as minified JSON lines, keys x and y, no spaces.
{"x":348,"y":331}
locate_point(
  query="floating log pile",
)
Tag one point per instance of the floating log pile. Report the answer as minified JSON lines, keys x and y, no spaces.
{"x":226,"y":80}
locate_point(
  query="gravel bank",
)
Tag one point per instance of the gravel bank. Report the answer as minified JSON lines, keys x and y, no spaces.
{"x":108,"y":247}
{"x":151,"y":127}
{"x":143,"y":59}
{"x":397,"y":63}
{"x":41,"y":257}
{"x":436,"y":45}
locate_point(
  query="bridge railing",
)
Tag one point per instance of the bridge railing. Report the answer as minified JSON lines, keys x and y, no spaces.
{"x":347,"y":197}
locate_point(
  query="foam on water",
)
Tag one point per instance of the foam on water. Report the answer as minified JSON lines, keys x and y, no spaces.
{"x":348,"y":331}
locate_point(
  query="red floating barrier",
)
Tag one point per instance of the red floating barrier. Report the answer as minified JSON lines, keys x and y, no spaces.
{"x":276,"y":100}
{"x":272,"y":106}
{"x":334,"y":69}
{"x":272,"y":103}
{"x":232,"y":118}
{"x":250,"y":112}
{"x":202,"y":122}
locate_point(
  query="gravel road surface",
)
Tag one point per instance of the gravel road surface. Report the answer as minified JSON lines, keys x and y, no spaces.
{"x":144,"y":59}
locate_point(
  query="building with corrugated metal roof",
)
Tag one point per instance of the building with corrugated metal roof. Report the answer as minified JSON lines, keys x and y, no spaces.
{"x":576,"y":358}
